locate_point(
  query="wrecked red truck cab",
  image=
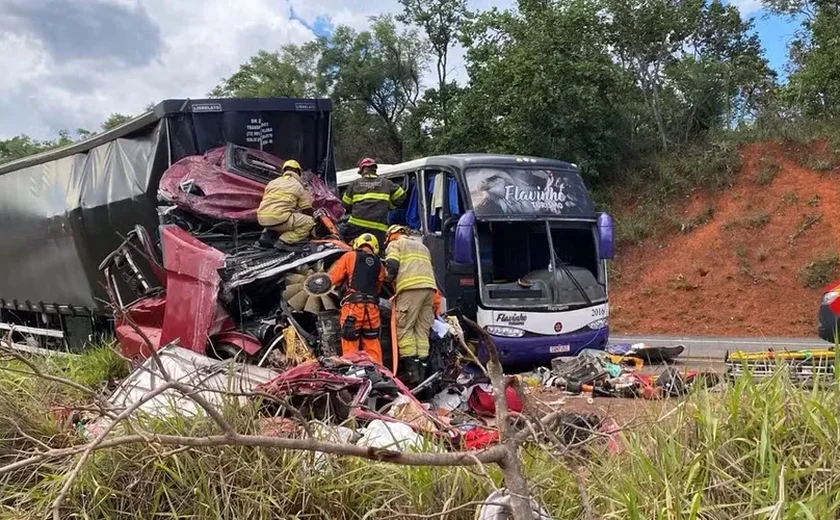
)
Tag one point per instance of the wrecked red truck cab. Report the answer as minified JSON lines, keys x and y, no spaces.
{"x":218,"y":292}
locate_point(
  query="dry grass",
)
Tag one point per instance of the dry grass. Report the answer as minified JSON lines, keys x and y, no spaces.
{"x":765,"y":450}
{"x":821,"y":271}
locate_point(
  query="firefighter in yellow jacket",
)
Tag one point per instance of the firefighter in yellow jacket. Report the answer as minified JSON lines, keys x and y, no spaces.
{"x":409,"y":265}
{"x":286,"y":209}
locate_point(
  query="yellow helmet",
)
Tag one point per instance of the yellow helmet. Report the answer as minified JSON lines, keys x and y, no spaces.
{"x":394,"y":230}
{"x":367,"y":239}
{"x":292,"y":165}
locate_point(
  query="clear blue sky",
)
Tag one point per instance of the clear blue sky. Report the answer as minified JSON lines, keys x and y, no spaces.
{"x":775,"y":33}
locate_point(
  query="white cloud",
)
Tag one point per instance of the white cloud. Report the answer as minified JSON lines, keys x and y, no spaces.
{"x":200,"y":42}
{"x":203,"y":41}
{"x":747,"y":7}
{"x":22,"y":60}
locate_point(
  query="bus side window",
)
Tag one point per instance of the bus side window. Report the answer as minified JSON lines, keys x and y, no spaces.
{"x":408,"y":213}
{"x":397,"y":215}
{"x":453,"y":205}
{"x":436,"y":197}
{"x":454,"y":199}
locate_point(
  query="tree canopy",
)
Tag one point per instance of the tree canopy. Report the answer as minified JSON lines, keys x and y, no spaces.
{"x":601,"y":83}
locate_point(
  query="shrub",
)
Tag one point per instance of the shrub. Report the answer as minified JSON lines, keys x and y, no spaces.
{"x":768,"y":168}
{"x":820,"y":271}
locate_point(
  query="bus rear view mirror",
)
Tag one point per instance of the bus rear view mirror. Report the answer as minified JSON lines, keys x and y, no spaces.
{"x":606,"y":243}
{"x":462,"y":252}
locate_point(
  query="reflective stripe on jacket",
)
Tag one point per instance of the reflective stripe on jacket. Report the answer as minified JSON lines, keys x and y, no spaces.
{"x":369,"y":199}
{"x":410,"y":264}
{"x":283,"y":196}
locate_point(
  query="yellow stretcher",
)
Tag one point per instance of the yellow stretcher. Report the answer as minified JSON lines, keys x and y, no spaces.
{"x":771,"y":355}
{"x":804,"y":366}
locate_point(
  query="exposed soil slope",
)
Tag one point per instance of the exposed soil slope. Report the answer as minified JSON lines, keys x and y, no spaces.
{"x":741,"y":273}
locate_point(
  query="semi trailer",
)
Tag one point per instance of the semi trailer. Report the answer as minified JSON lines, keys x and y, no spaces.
{"x":64,"y":211}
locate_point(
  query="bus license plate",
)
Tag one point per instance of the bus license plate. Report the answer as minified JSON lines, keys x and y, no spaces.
{"x":559,"y":349}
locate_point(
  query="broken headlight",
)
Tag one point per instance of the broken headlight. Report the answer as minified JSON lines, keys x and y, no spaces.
{"x":506,"y":332}
{"x":598,"y":324}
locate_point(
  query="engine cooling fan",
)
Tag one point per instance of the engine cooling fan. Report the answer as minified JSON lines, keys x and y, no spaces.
{"x":309,"y":289}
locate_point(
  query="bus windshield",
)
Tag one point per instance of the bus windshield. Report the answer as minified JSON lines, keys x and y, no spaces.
{"x":503,"y":191}
{"x":540,"y":264}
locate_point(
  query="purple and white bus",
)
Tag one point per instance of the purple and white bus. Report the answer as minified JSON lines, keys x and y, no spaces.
{"x":516,"y":245}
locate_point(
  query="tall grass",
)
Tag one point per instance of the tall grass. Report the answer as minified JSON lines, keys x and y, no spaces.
{"x":752,"y":450}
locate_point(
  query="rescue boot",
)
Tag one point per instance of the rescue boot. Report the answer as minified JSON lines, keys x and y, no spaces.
{"x":282,"y":245}
{"x":410,"y":371}
{"x":267,"y":238}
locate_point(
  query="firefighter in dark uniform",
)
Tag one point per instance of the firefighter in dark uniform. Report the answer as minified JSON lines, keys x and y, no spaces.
{"x":368,"y":200}
{"x":359,"y":320}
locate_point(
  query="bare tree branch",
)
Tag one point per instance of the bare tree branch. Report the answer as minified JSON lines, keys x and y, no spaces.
{"x":510,"y":465}
{"x":91,"y":447}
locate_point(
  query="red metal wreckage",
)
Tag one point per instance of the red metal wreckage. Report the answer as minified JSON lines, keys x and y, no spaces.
{"x":209,"y":287}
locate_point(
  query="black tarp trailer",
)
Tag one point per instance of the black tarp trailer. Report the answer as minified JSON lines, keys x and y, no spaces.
{"x":63,"y":211}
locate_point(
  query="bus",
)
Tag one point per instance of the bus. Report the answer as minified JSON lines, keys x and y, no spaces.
{"x":516,"y":244}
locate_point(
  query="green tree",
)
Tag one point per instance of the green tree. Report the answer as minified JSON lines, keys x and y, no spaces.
{"x":18,"y":147}
{"x":813,"y":87}
{"x":648,"y":35}
{"x":697,"y":64}
{"x":289,"y":72}
{"x":441,"y":21}
{"x":22,"y":145}
{"x":115,"y":120}
{"x":379,"y":68}
{"x":543,"y":82}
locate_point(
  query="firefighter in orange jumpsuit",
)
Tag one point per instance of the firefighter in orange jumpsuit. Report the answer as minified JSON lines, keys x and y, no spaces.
{"x":364,"y":273}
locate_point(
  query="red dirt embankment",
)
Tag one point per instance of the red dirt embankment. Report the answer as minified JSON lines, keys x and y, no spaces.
{"x":740,"y":274}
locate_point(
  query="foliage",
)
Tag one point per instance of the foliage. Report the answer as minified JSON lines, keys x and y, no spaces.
{"x":752,"y":221}
{"x":576,"y":105}
{"x":745,"y":452}
{"x":767,"y":170}
{"x":115,"y":120}
{"x":289,"y":72}
{"x":820,"y":271}
{"x":378,"y":73}
{"x":699,"y":67}
{"x":812,"y":89}
{"x":442,"y":22}
{"x":22,"y":146}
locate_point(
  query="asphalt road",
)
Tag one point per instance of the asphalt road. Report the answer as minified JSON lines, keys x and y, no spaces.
{"x":707,"y":353}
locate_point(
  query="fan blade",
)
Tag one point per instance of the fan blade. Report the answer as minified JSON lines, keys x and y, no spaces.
{"x":295,"y":278}
{"x":328,"y":303}
{"x":313,"y":305}
{"x":292,"y":289}
{"x":298,"y":301}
